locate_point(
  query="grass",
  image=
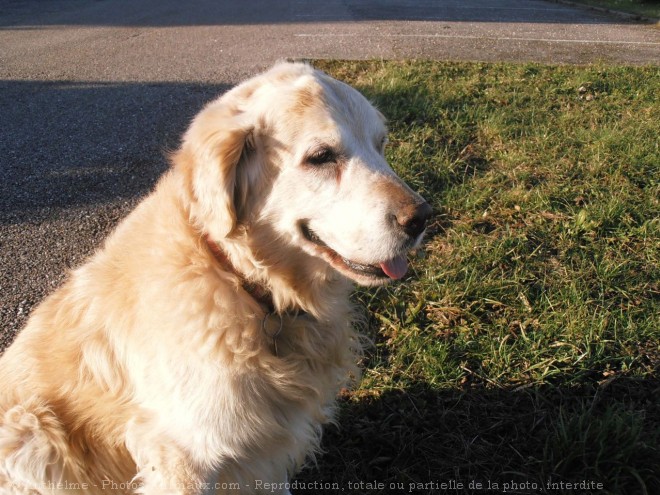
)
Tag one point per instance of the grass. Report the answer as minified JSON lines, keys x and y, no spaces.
{"x":523,"y":351}
{"x":648,"y":8}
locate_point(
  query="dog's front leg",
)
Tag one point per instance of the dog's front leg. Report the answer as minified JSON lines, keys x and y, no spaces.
{"x":163,"y":467}
{"x":171,"y":474}
{"x":249,"y":477}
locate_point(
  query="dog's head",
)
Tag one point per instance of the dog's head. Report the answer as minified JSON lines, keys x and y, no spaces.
{"x":302,"y":153}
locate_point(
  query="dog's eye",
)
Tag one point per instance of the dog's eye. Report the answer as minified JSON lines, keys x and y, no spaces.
{"x":322,"y":156}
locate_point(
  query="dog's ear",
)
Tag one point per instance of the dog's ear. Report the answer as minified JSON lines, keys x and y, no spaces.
{"x":213,"y":146}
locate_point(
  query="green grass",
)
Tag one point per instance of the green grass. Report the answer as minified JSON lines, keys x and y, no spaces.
{"x":525,"y":346}
{"x":648,"y":8}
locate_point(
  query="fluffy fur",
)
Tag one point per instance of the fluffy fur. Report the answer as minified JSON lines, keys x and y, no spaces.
{"x":153,"y":369}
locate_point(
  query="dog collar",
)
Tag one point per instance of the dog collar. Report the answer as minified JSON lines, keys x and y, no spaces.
{"x":258,"y":292}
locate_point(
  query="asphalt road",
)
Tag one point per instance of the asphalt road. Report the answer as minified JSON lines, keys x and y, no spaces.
{"x":93,"y":93}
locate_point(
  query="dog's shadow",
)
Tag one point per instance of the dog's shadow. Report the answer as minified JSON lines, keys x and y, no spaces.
{"x":76,"y":144}
{"x":423,"y":439}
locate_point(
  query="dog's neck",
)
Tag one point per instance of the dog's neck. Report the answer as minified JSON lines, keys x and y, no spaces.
{"x":315,"y":293}
{"x":258,"y":292}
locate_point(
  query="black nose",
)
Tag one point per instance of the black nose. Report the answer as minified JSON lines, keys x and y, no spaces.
{"x":413,"y":219}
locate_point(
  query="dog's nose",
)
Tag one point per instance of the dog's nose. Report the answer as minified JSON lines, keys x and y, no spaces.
{"x":413,"y":219}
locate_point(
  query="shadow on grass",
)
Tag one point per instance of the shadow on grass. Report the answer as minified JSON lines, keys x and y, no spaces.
{"x":601,"y":438}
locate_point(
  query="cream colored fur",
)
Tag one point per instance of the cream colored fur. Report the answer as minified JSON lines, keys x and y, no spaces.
{"x":149,"y":370}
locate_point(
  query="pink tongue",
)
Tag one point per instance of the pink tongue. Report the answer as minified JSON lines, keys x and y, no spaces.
{"x":396,"y":267}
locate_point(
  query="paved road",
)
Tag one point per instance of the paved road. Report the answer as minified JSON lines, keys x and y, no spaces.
{"x":93,"y":92}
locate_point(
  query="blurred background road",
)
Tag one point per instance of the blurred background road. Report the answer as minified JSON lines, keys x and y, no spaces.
{"x":93,"y":93}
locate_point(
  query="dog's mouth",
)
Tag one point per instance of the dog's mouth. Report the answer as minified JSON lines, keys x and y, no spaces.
{"x":394,"y":268}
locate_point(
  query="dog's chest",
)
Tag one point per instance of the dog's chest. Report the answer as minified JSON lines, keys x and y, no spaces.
{"x":274,"y":401}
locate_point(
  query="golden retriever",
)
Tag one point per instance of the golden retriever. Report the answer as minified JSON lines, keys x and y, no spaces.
{"x":202,"y":348}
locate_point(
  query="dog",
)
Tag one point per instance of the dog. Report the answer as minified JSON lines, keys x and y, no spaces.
{"x":201,"y":349}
